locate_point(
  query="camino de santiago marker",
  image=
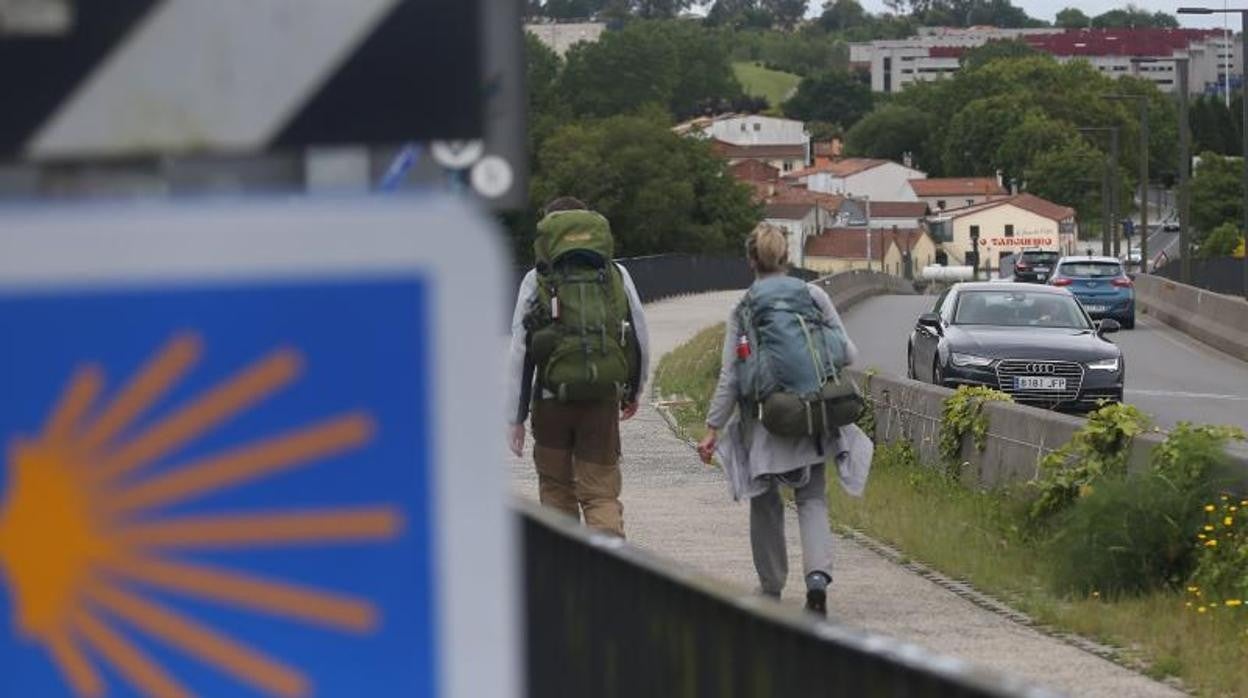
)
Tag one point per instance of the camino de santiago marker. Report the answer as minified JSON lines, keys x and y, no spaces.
{"x":243,"y":453}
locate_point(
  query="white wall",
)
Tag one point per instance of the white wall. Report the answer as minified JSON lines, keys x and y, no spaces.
{"x":760,"y":130}
{"x":887,"y":182}
{"x":797,"y":232}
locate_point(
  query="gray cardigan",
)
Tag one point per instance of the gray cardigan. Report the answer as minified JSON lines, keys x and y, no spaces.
{"x":751,"y":466}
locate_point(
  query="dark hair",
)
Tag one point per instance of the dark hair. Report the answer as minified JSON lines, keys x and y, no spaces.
{"x":564,"y":203}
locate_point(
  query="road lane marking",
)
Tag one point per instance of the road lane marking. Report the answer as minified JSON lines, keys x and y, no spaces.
{"x":1185,"y":395}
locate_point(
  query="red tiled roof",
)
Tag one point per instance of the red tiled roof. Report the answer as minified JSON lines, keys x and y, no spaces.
{"x":754,"y":171}
{"x":787,"y":211}
{"x":898,"y":209}
{"x":846,"y":243}
{"x":841,"y":168}
{"x":759,"y":152}
{"x":1025,"y":201}
{"x":1118,"y":42}
{"x":906,"y":238}
{"x":958,"y":186}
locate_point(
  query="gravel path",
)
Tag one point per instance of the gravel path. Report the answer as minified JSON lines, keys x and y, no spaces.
{"x":678,"y":508}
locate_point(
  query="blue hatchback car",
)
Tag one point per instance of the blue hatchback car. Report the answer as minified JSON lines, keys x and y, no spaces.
{"x":1101,"y":285}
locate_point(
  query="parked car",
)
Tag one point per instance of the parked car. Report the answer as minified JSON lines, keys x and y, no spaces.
{"x":1035,"y":265}
{"x":1170,"y":227}
{"x":1101,"y":284}
{"x":1036,"y":343}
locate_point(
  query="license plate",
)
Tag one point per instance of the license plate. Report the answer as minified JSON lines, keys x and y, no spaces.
{"x":1043,"y":270}
{"x":1097,"y":308}
{"x":1039,"y":383}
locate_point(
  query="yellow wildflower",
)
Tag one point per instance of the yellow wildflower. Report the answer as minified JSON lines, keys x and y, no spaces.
{"x":1234,"y":602}
{"x":1208,"y":527}
{"x":1085,"y":490}
{"x":1193,"y":589}
{"x":1202,"y":609}
{"x":1211,"y":543}
{"x":1225,"y":498}
{"x":1209,"y":507}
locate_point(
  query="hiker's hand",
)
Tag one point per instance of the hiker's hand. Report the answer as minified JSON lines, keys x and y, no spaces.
{"x":706,"y":448}
{"x":627,"y":410}
{"x":515,"y":438}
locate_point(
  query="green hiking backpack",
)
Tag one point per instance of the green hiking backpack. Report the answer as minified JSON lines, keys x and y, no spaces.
{"x":580,"y":337}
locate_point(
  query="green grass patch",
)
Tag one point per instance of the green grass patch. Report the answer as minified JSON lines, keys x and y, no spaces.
{"x":775,"y":85}
{"x":984,"y":537}
{"x":687,"y":376}
{"x":976,"y":536}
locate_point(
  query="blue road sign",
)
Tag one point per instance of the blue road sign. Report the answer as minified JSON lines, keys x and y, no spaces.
{"x":229,"y":464}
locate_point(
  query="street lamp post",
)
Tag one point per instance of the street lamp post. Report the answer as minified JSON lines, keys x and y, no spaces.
{"x":1110,"y":202}
{"x":1142,"y":102}
{"x":1243,"y":54}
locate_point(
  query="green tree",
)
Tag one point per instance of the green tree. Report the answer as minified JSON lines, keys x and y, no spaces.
{"x":661,"y":192}
{"x":995,"y":51}
{"x":1133,"y":16}
{"x":571,"y":9}
{"x":1222,"y":241}
{"x":659,"y":9}
{"x":890,"y":132}
{"x":839,"y":15}
{"x":1034,"y":135}
{"x":679,"y":65}
{"x":547,"y":110}
{"x":1069,"y":174}
{"x":834,"y":96}
{"x":976,"y":132}
{"x":1216,"y":194}
{"x":787,"y":13}
{"x":963,"y":13}
{"x":1073,"y":18}
{"x":730,"y":13}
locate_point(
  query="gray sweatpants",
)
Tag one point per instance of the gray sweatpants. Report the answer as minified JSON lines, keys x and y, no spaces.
{"x":771,"y":558}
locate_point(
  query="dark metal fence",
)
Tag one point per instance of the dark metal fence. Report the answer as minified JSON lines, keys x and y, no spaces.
{"x":1220,"y":274}
{"x":605,"y":619}
{"x":667,"y":275}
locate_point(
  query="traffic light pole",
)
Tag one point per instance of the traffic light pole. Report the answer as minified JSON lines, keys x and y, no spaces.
{"x":1185,"y":163}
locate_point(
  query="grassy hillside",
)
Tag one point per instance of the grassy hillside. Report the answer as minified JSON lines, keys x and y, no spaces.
{"x":772,"y":84}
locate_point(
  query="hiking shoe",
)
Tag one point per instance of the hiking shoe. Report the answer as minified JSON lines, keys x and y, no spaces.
{"x":817,"y":602}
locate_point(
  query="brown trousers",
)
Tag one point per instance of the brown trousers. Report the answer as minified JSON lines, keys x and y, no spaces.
{"x":577,"y":453}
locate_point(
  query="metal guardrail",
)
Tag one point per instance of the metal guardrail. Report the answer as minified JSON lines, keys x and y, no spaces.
{"x":668,"y":275}
{"x":607,"y":619}
{"x":1219,"y":274}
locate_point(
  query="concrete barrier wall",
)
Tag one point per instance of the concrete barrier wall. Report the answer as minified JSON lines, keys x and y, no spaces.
{"x":1018,"y":436}
{"x":1217,"y":320}
{"x":850,"y":287}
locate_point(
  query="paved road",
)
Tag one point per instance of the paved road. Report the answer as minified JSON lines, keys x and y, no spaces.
{"x":1170,"y":376}
{"x":681,"y":510}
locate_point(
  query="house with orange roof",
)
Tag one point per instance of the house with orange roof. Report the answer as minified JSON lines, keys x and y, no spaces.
{"x":869,"y":178}
{"x":1003,"y":227}
{"x":944,"y":193}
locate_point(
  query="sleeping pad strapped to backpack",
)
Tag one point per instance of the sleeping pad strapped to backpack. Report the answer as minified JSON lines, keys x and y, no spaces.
{"x":579,"y":332}
{"x":790,"y":376}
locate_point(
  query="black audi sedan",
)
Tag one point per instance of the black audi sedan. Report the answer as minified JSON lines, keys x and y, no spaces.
{"x":1034,"y":342}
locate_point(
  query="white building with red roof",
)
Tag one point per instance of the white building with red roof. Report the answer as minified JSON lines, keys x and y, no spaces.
{"x":870,"y":178}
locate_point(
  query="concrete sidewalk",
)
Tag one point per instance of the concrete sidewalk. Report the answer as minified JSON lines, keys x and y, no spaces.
{"x":680,"y":509}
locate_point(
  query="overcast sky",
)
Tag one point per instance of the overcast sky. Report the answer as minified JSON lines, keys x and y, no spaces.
{"x":1046,"y":9}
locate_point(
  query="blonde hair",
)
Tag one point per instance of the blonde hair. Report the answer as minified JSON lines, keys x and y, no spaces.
{"x":768,"y":247}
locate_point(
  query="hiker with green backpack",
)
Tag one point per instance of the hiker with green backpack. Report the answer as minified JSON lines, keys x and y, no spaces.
{"x":579,"y":358}
{"x":785,"y":410}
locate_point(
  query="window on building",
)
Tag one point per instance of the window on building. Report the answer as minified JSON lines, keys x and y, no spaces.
{"x":1009,"y":230}
{"x":758,"y":127}
{"x":974,"y":231}
{"x":940,"y":204}
{"x":970,"y":202}
{"x":743,"y":128}
{"x":787,"y":166}
{"x":888,"y":74}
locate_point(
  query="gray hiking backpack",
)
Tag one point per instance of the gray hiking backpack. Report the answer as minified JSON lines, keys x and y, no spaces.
{"x":789,"y":376}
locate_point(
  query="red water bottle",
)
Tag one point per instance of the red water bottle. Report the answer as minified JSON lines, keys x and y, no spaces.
{"x":743,"y":347}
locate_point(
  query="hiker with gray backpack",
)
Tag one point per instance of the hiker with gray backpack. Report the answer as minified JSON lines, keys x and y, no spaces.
{"x":782,"y":410}
{"x":579,"y":358}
